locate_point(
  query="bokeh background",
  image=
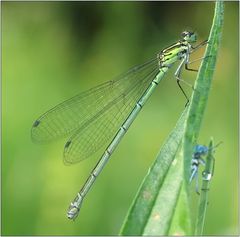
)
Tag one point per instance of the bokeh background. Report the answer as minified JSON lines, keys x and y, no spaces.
{"x":54,"y":50}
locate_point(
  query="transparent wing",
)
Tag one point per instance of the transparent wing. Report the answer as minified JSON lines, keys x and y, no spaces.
{"x":70,"y":115}
{"x":95,"y":115}
{"x":99,"y":130}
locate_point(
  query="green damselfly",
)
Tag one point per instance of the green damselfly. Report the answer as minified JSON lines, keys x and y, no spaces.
{"x":107,"y":111}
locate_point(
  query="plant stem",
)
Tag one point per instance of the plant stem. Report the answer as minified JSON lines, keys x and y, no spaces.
{"x":203,"y":202}
{"x":198,"y":102}
{"x":199,"y":98}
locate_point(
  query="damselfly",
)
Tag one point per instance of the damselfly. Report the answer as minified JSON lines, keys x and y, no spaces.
{"x":107,"y":111}
{"x":197,"y":159}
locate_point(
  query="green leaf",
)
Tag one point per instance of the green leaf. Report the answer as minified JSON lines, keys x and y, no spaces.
{"x":181,"y":222}
{"x":203,"y":201}
{"x":154,"y":204}
{"x":161,"y":206}
{"x":199,"y":98}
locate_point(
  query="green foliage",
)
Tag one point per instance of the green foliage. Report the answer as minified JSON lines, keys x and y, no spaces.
{"x":203,"y":201}
{"x":161,"y":206}
{"x":155,"y":203}
{"x":54,"y":50}
{"x":202,"y":87}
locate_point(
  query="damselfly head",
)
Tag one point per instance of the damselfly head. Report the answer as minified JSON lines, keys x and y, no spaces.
{"x":203,"y":150}
{"x":200,"y":149}
{"x":189,"y":36}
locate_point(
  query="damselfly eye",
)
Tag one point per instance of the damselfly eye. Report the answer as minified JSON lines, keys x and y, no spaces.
{"x":189,"y":36}
{"x":191,"y":33}
{"x":184,"y":34}
{"x":187,"y":33}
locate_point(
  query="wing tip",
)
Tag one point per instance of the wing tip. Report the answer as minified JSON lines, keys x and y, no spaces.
{"x":36,"y":123}
{"x":68,"y":157}
{"x":34,"y":136}
{"x":68,"y":143}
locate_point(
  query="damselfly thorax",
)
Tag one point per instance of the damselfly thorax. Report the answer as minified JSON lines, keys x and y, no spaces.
{"x":175,"y":52}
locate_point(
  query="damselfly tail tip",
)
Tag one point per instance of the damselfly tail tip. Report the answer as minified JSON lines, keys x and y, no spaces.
{"x":73,"y":212}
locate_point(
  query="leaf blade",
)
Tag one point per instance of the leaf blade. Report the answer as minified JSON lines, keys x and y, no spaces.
{"x":143,"y":204}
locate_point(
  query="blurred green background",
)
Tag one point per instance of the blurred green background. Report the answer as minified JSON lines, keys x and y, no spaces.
{"x":54,"y":50}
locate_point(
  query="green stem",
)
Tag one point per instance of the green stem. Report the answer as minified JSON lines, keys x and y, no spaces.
{"x":198,"y":102}
{"x":203,"y":202}
{"x":199,"y":98}
{"x":159,"y":200}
